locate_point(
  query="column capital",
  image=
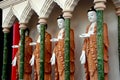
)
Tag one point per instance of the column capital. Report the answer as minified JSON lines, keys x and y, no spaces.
{"x":67,"y":14}
{"x":22,"y":26}
{"x":42,"y":21}
{"x":6,"y":30}
{"x":118,"y":11}
{"x":99,"y":4}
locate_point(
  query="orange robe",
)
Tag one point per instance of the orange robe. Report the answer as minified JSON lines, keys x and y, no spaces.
{"x":27,"y":57}
{"x":47,"y":64}
{"x":59,"y":53}
{"x":90,"y":48}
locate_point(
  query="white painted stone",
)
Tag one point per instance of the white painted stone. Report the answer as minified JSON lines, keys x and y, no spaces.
{"x":5,"y":12}
{"x":19,"y":8}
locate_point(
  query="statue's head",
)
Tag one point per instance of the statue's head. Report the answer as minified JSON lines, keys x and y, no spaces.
{"x":92,"y":16}
{"x":39,"y":26}
{"x":60,"y":21}
{"x":27,"y":31}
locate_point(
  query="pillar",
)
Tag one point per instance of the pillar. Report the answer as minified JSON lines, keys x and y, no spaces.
{"x":67,"y":15}
{"x":5,"y":53}
{"x":42,"y":22}
{"x":100,"y":6}
{"x":16,"y":39}
{"x":118,"y":14}
{"x":22,"y":47}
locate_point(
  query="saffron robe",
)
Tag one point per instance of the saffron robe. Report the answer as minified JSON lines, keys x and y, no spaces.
{"x":27,"y":57}
{"x":59,"y":53}
{"x":90,"y":48}
{"x":47,"y":56}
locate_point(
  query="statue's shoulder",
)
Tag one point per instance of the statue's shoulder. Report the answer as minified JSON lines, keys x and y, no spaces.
{"x":28,"y":38}
{"x":47,"y":34}
{"x":71,"y":30}
{"x":105,"y":25}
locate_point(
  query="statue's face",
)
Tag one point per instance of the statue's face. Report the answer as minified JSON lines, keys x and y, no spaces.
{"x":26,"y":33}
{"x":92,"y":17}
{"x":38,"y":28}
{"x":60,"y":23}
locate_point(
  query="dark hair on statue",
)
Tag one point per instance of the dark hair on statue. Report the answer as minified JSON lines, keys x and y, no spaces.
{"x":61,"y":17}
{"x":91,"y":9}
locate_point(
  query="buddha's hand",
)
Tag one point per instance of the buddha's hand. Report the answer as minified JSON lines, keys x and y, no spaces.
{"x":14,"y":61}
{"x":85,"y":35}
{"x":52,"y":60}
{"x":32,"y":60}
{"x":15,"y":46}
{"x":32,"y":43}
{"x":54,"y":40}
{"x":83,"y":57}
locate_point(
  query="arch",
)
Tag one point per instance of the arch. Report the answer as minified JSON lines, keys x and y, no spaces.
{"x":9,"y":19}
{"x":26,"y":14}
{"x":116,"y":3}
{"x":45,"y":9}
{"x":67,"y":5}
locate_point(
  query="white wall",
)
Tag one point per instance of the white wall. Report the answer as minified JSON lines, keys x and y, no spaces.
{"x":79,"y":22}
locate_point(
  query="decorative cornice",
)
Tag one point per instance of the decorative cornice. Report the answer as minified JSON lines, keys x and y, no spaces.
{"x":6,"y":30}
{"x":67,"y":14}
{"x":23,"y":26}
{"x":9,"y":19}
{"x":42,"y":21}
{"x":46,"y":9}
{"x":26,"y":14}
{"x":70,"y":5}
{"x":100,"y":4}
{"x":118,"y":11}
{"x":8,"y":3}
{"x":35,"y":7}
{"x":60,"y":3}
{"x":116,"y":3}
{"x":67,"y":5}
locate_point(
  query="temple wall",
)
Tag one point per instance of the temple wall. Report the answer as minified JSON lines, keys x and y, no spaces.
{"x":79,"y":22}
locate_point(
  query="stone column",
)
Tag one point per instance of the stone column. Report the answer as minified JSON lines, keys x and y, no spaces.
{"x":118,"y":14}
{"x":22,"y":47}
{"x":67,"y":15}
{"x":100,"y":6}
{"x":5,"y":53}
{"x":42,"y":22}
